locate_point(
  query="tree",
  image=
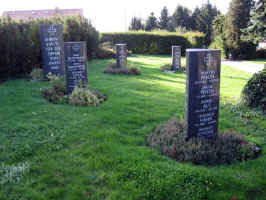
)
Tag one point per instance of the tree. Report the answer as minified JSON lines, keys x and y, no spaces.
{"x":136,"y":24}
{"x":164,"y":19}
{"x":181,"y":17}
{"x":256,"y":29}
{"x":237,"y":18}
{"x":202,"y":19}
{"x":151,"y":23}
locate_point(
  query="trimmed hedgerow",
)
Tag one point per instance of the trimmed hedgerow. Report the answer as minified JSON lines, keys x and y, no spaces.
{"x":227,"y":148}
{"x":155,"y":42}
{"x":254,"y":92}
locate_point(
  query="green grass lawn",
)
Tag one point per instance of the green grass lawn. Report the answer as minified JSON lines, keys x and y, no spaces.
{"x":100,"y":152}
{"x":258,"y":60}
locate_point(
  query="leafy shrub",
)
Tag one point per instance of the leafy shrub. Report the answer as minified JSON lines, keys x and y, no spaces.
{"x":83,"y":97}
{"x":129,"y":70}
{"x":105,"y":51}
{"x":225,"y":149}
{"x":155,"y":42}
{"x":20,"y":45}
{"x":254,"y":92}
{"x":36,"y":74}
{"x":168,"y":67}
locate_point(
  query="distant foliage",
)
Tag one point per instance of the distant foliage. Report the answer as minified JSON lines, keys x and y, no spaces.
{"x":169,"y":139}
{"x":155,"y":42}
{"x":20,"y":46}
{"x":254,"y":92}
{"x":136,"y":24}
{"x":36,"y":74}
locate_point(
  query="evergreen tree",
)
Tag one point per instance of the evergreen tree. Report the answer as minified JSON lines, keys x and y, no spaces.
{"x":151,"y":23}
{"x":256,"y":30}
{"x":181,"y":17}
{"x":202,"y":19}
{"x":237,"y":18}
{"x":135,"y":24}
{"x":164,"y":19}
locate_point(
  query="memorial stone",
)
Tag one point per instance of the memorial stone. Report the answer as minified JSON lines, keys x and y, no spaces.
{"x":176,"y":58}
{"x":121,"y":55}
{"x":52,"y":45}
{"x":202,"y":92}
{"x":76,"y":65}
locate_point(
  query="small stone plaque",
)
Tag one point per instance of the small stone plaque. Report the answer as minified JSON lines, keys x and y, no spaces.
{"x":176,"y":58}
{"x":76,"y":65}
{"x":121,"y":55}
{"x":202,"y":92}
{"x":52,"y":45}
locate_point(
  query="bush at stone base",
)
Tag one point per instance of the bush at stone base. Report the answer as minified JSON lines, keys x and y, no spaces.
{"x":227,"y":148}
{"x":83,"y":97}
{"x":254,"y":92}
{"x":128,"y":70}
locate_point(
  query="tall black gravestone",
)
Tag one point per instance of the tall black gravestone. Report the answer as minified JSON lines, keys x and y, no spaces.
{"x":76,"y":65}
{"x":52,"y":45}
{"x":176,"y":58}
{"x":203,"y":92}
{"x":121,"y":55}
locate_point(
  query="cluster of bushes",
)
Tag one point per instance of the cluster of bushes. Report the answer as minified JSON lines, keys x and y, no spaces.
{"x":125,"y":70}
{"x":155,"y":42}
{"x":254,"y":92}
{"x":57,"y":94}
{"x":227,"y":148}
{"x":20,"y":46}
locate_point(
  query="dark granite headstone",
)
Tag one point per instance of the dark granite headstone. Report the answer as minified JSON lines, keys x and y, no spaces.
{"x":203,"y":92}
{"x":52,"y":45}
{"x":121,"y":55}
{"x":176,"y":58}
{"x":76,"y":65}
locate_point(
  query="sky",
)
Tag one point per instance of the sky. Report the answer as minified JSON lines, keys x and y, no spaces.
{"x":110,"y":15}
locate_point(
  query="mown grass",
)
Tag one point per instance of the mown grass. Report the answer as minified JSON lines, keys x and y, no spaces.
{"x":100,"y":152}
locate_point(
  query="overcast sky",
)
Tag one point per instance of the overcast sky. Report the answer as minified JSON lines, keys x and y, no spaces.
{"x":110,"y":15}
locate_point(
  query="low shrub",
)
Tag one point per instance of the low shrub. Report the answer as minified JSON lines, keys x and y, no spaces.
{"x":105,"y":51}
{"x":227,"y":148}
{"x":83,"y":97}
{"x":168,"y":67}
{"x":254,"y":92}
{"x":128,"y":70}
{"x":37,"y":74}
{"x":57,"y":93}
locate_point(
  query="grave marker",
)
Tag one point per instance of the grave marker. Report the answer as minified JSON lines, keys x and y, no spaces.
{"x":176,"y":58}
{"x":52,"y":45}
{"x":76,"y":65}
{"x":121,"y":55}
{"x":203,"y":92}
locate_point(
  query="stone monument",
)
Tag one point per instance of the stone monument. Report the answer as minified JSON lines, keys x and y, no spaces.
{"x":121,"y":55}
{"x":52,"y":45}
{"x":176,"y":58}
{"x":76,"y":65}
{"x":202,"y":92}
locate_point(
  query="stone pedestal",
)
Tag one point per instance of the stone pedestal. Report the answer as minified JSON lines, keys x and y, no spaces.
{"x":176,"y":58}
{"x":52,"y":45}
{"x":202,"y":92}
{"x":121,"y":55}
{"x":76,"y":65}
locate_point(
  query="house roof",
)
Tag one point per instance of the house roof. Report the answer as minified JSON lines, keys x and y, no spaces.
{"x":41,"y":14}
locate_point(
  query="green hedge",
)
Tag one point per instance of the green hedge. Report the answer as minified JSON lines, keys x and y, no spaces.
{"x":20,"y":48}
{"x":155,"y":42}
